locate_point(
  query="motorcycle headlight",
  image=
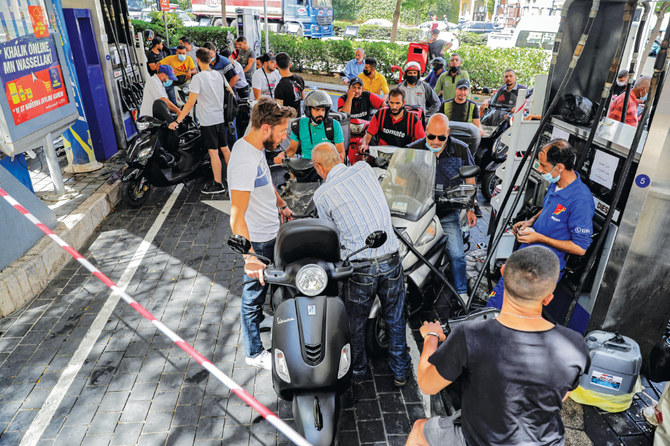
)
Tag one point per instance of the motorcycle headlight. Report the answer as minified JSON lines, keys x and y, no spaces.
{"x":280,"y":365}
{"x":144,"y":154}
{"x":142,"y":126}
{"x":311,"y":280}
{"x":345,"y":361}
{"x":402,"y":250}
{"x":356,"y":129}
{"x":428,"y":235}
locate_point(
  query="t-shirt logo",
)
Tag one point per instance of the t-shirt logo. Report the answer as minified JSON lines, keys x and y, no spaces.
{"x":559,"y":209}
{"x":263,"y":177}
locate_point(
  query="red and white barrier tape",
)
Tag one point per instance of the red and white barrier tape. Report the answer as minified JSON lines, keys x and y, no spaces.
{"x":193,"y":353}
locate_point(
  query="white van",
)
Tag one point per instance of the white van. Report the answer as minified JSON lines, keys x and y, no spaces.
{"x":531,"y":32}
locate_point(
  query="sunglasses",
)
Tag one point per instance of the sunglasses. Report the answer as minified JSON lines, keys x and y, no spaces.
{"x":439,"y":137}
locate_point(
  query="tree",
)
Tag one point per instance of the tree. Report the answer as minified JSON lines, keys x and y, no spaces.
{"x":396,"y":18}
{"x":224,"y":16}
{"x":661,"y":9}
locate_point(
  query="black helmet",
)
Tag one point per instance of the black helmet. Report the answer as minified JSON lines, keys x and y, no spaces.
{"x":317,"y":98}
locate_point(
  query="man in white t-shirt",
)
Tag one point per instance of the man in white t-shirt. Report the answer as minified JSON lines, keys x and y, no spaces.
{"x":207,"y":87}
{"x":154,"y":89}
{"x":265,"y":80}
{"x":254,"y":214}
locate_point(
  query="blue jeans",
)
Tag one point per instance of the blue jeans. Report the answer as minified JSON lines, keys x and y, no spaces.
{"x":171,"y":94}
{"x":253,"y":298}
{"x":384,"y":279}
{"x":451,"y":226}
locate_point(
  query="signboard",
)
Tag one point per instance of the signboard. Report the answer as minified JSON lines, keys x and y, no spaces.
{"x":163,"y":5}
{"x":31,"y":76}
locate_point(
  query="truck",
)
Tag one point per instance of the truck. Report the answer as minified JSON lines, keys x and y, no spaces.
{"x":531,"y":32}
{"x":307,"y":18}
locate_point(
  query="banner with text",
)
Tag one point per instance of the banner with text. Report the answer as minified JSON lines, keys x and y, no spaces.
{"x":31,"y":76}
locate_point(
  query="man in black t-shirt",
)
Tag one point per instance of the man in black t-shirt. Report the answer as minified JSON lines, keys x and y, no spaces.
{"x":505,"y":95}
{"x":462,"y":109}
{"x":155,"y":54}
{"x":515,"y":370}
{"x":359,"y":103}
{"x":436,"y":47}
{"x":290,"y":89}
{"x":394,"y":125}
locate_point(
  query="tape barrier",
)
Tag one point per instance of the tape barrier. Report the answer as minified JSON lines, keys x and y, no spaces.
{"x":281,"y":426}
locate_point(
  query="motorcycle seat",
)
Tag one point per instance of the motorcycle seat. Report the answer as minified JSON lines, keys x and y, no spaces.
{"x":307,"y":238}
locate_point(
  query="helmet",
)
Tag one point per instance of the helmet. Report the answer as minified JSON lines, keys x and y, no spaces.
{"x":317,"y":98}
{"x":412,"y":66}
{"x":438,"y":62}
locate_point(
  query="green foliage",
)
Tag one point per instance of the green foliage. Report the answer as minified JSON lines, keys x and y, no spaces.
{"x":199,"y":34}
{"x":380,"y":32}
{"x":486,"y":65}
{"x":466,"y":38}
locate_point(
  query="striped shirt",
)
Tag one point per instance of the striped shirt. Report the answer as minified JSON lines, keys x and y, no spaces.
{"x":352,"y":198}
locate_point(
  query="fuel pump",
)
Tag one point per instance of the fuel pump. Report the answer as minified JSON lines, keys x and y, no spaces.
{"x":249,"y":26}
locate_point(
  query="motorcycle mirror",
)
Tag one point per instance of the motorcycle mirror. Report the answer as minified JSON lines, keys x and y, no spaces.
{"x":239,"y":244}
{"x":381,"y":162}
{"x":376,"y":239}
{"x":469,"y":171}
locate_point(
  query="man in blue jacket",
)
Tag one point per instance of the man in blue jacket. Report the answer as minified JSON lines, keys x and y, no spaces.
{"x":565,"y":223}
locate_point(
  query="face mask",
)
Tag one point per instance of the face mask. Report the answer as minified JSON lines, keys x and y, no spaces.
{"x":620,"y":83}
{"x":412,"y":79}
{"x":548,"y":177}
{"x":397,"y":112}
{"x":167,"y":83}
{"x":181,"y":57}
{"x":433,"y":149}
{"x":213,"y":59}
{"x":453,"y":70}
{"x":644,"y":98}
{"x":366,"y":72}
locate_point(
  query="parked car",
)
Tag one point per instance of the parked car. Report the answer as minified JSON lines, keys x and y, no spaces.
{"x":478,"y":27}
{"x":186,"y":19}
{"x":378,"y":22}
{"x":426,"y":26}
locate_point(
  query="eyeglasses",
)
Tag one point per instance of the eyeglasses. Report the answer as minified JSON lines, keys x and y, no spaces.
{"x":439,"y":137}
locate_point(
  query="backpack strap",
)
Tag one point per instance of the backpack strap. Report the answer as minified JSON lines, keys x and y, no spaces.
{"x":295,"y":128}
{"x":330,"y":130}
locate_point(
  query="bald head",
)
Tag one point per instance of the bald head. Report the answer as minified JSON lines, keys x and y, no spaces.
{"x":641,"y":86}
{"x":437,"y":127}
{"x":325,"y":156}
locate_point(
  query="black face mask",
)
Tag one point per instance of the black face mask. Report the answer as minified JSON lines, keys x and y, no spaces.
{"x":366,"y":72}
{"x":453,"y":70}
{"x":438,"y":67}
{"x":412,"y":79}
{"x":395,"y":113}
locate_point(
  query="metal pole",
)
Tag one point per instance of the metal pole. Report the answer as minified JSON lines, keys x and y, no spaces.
{"x":54,"y":167}
{"x":267,"y":37}
{"x":167,"y":37}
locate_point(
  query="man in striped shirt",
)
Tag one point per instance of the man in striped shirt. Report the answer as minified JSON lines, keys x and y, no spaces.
{"x":352,"y":198}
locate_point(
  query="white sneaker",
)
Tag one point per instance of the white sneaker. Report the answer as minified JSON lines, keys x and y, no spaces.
{"x":264,"y":360}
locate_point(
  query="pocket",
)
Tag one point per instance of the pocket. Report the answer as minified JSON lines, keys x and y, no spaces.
{"x":359,"y":288}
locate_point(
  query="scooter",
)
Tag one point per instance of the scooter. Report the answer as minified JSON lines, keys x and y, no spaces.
{"x":296,"y":181}
{"x":311,"y":340}
{"x":358,"y":129}
{"x":409,"y":187}
{"x":160,"y":157}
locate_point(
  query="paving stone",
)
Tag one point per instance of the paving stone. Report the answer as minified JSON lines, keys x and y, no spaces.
{"x":158,"y":421}
{"x":152,"y":439}
{"x":210,"y":428}
{"x":371,"y":431}
{"x":71,"y":435}
{"x":396,"y":423}
{"x":181,"y":436}
{"x":53,"y":428}
{"x":104,"y":422}
{"x":367,"y":410}
{"x":113,"y":402}
{"x":135,"y":411}
{"x":127,"y":433}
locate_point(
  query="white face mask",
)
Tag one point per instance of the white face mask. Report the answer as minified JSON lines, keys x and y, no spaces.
{"x":620,"y":83}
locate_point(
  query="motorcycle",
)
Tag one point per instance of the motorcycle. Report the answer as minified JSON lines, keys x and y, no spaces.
{"x":311,"y":340}
{"x":409,"y":187}
{"x":160,"y":157}
{"x":296,"y":181}
{"x":358,"y":129}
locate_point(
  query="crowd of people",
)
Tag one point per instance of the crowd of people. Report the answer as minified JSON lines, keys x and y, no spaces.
{"x":521,"y":408}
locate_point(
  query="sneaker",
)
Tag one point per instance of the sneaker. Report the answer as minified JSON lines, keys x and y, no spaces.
{"x":264,"y":360}
{"x":478,"y":211}
{"x":213,"y":188}
{"x":400,"y":381}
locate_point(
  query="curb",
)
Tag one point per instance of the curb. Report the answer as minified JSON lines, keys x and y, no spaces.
{"x":29,"y":275}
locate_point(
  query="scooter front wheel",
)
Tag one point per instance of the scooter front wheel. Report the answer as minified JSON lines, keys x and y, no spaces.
{"x":136,"y":192}
{"x":489,"y":183}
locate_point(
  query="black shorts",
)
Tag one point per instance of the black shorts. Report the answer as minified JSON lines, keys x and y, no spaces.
{"x":214,"y":136}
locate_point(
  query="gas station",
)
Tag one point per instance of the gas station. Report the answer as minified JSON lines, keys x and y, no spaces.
{"x":76,"y":68}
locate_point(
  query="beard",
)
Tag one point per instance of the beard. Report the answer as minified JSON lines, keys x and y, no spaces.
{"x":395,"y":112}
{"x":270,"y":144}
{"x":317,"y":120}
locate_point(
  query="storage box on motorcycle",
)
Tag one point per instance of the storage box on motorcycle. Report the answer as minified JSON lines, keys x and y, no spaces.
{"x":418,"y":52}
{"x":611,"y":381}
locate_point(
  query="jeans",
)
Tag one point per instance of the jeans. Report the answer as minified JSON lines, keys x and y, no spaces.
{"x":384,"y":279}
{"x":171,"y":94}
{"x":253,"y":297}
{"x":451,"y":226}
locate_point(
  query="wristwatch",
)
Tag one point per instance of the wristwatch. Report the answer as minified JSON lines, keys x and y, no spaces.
{"x":432,"y":333}
{"x":281,"y":208}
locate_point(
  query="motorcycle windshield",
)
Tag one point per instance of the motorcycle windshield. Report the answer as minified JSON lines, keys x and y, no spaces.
{"x":409,"y":183}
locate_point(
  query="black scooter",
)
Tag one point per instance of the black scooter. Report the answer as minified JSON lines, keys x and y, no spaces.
{"x":296,"y":181}
{"x":311,"y":341}
{"x":161,"y":157}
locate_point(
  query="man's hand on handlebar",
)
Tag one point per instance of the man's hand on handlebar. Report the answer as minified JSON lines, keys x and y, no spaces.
{"x":278,"y":159}
{"x":286,"y":214}
{"x":432,"y":327}
{"x":363,"y":148}
{"x":254,"y":268}
{"x":173,"y":125}
{"x":472,"y":219}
